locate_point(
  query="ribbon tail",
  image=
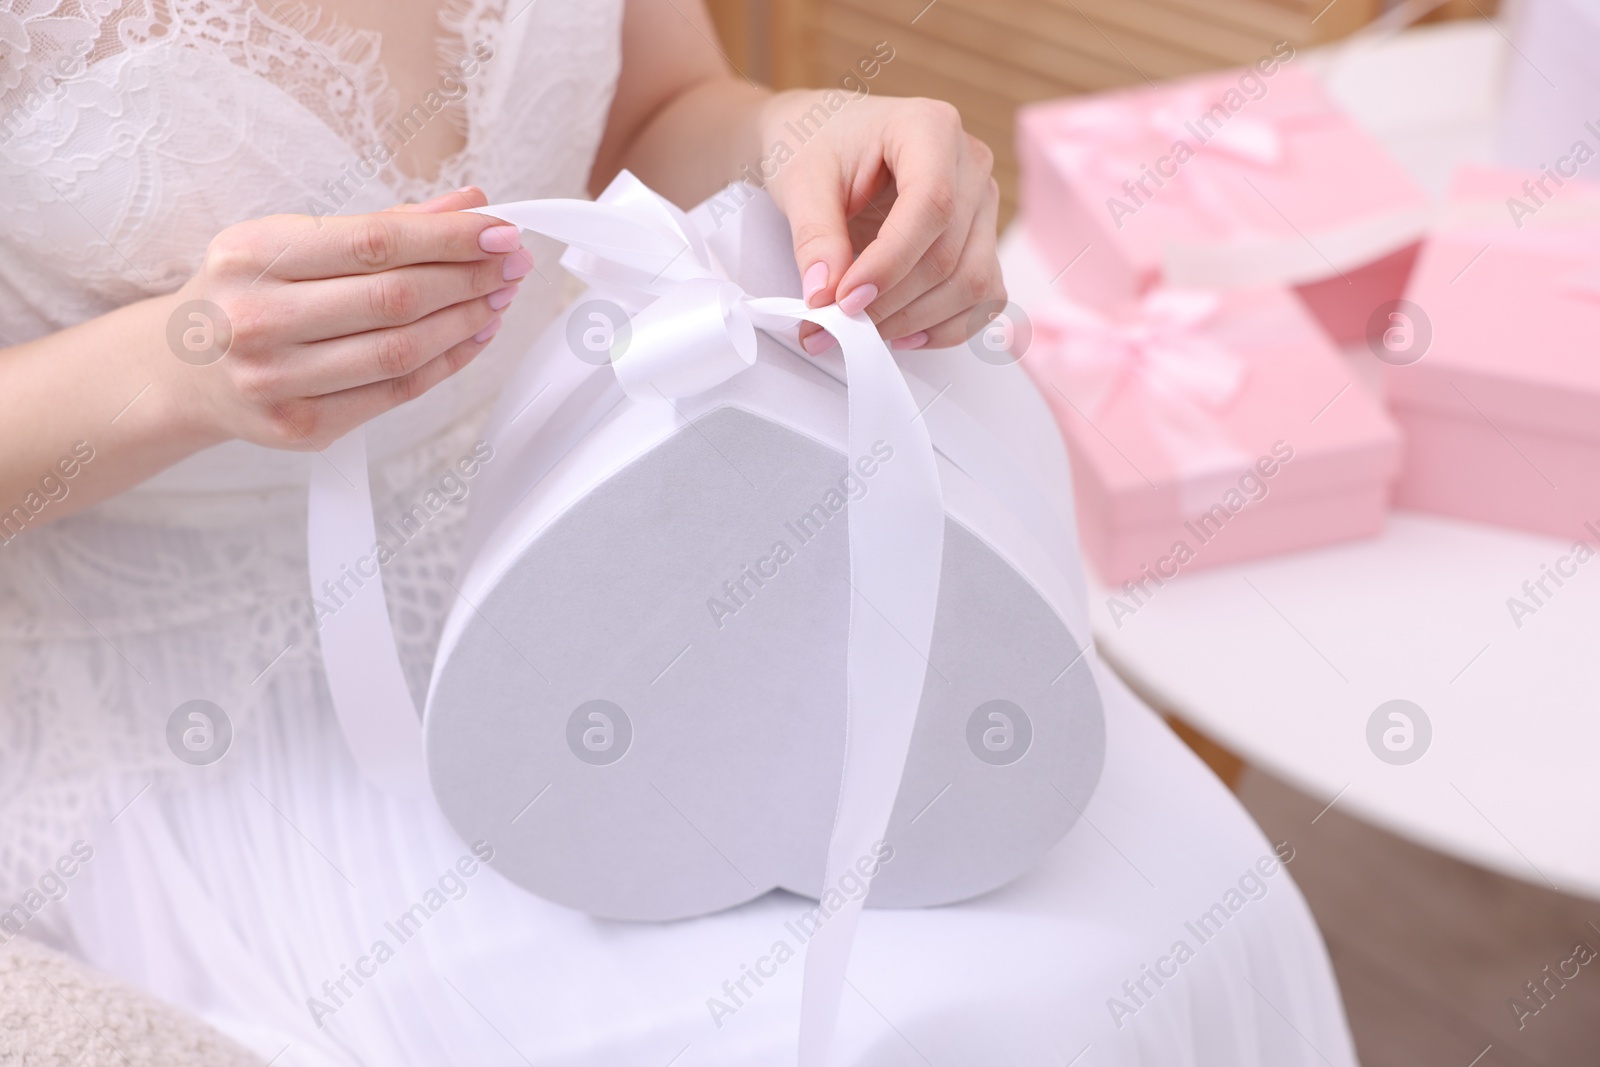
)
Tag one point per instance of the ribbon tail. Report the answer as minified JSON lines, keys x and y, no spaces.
{"x":376,"y":714}
{"x":896,"y":537}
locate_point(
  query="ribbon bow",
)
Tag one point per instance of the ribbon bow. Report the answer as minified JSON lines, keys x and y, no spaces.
{"x":693,"y":329}
{"x":1160,"y":350}
{"x":1127,"y":124}
{"x":1119,"y":138}
{"x":1159,"y":354}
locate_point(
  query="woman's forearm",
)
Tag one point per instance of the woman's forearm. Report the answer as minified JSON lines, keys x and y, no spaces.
{"x":681,"y":119}
{"x":700,"y":141}
{"x":91,"y":411}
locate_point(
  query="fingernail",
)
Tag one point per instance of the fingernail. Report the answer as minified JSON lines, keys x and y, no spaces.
{"x":518,"y":264}
{"x":858,"y":298}
{"x":505,"y":238}
{"x":906,"y":344}
{"x":816,"y":277}
{"x":488,"y":331}
{"x":818,"y":343}
{"x":501,"y":297}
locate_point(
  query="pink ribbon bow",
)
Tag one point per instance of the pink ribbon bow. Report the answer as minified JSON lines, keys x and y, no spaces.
{"x":1159,"y":350}
{"x":1181,"y":377}
{"x":1117,"y":139}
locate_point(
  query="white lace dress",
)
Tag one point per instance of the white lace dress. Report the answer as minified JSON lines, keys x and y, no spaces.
{"x":131,"y":132}
{"x":256,"y":891}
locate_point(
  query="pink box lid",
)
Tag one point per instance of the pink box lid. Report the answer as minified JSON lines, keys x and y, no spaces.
{"x":1295,"y":388}
{"x":1284,"y":187}
{"x":1509,"y":290}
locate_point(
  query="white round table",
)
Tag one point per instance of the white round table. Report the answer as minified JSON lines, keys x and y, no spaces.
{"x":1285,"y":659}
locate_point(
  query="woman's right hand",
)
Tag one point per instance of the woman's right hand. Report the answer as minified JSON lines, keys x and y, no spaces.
{"x":336,"y":320}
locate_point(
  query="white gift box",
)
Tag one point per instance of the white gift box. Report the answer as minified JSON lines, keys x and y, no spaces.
{"x":685,"y":566}
{"x":724,"y":624}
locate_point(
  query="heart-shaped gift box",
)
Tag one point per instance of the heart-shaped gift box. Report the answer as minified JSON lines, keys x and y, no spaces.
{"x":641,"y":693}
{"x":725,"y":624}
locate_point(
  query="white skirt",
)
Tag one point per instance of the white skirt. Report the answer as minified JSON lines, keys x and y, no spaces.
{"x":322,"y":923}
{"x":1149,"y":936}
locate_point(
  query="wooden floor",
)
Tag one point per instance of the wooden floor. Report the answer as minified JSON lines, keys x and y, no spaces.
{"x":1430,"y":950}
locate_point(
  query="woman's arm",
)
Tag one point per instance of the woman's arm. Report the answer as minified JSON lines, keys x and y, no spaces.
{"x":891,"y":203}
{"x":325,"y":323}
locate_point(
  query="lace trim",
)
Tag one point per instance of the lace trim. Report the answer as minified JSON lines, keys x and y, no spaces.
{"x":334,"y":70}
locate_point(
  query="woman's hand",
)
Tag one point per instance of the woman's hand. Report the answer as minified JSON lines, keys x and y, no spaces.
{"x":336,"y":320}
{"x":294,"y":331}
{"x":891,"y":202}
{"x":893,"y":210}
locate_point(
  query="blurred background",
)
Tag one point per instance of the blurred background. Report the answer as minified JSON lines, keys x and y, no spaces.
{"x":1452,"y":893}
{"x":989,"y":57}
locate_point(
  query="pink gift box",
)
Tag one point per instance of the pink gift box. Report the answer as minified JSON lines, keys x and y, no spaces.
{"x":1231,"y":180}
{"x":1501,"y":407}
{"x":1209,"y":427}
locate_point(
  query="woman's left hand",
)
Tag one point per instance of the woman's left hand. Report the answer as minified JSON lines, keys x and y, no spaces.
{"x":893,"y":210}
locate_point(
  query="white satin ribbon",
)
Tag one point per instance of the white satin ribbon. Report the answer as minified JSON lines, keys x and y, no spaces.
{"x":362,"y":663}
{"x":692,"y":329}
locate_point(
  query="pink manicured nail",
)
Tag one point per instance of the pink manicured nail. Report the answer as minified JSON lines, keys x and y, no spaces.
{"x":501,"y":297}
{"x":505,"y":238}
{"x":906,"y":344}
{"x":518,"y":264}
{"x":818,"y":343}
{"x":816,"y":278}
{"x":857,"y":299}
{"x":488,"y":331}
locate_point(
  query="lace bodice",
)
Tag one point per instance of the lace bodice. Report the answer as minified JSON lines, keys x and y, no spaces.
{"x":131,"y":131}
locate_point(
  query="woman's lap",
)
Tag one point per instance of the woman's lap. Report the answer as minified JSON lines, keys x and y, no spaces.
{"x":253,"y":898}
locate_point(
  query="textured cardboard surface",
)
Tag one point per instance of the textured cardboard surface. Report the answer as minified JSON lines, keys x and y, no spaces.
{"x":729,"y":782}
